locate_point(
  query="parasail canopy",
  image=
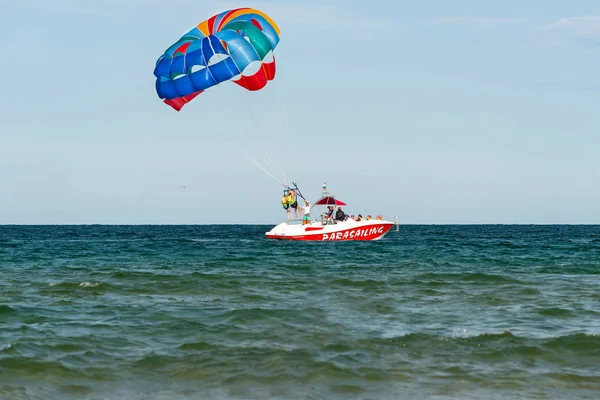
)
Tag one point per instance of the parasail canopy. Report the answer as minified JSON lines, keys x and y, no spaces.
{"x":235,"y":45}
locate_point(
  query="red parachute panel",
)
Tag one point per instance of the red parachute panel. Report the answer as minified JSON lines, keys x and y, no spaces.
{"x":179,"y":102}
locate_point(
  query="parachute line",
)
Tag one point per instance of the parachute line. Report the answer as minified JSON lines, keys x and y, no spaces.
{"x":253,"y":160}
{"x":272,"y":160}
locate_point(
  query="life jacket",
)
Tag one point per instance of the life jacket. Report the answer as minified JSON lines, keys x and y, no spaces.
{"x":291,"y":200}
{"x":284,"y":200}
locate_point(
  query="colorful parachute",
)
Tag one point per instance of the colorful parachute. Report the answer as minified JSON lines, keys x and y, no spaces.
{"x":234,"y":45}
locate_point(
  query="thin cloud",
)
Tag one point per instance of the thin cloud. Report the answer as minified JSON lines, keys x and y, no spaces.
{"x":310,"y":14}
{"x":588,"y":26}
{"x":567,"y":87}
{"x":466,"y":20}
{"x":316,"y":15}
{"x":590,"y":88}
{"x":97,"y":8}
{"x":306,"y":13}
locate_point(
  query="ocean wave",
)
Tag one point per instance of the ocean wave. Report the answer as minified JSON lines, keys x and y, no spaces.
{"x":90,"y":284}
{"x":504,"y":342}
{"x":32,"y":367}
{"x":196,"y":346}
{"x":556,"y":312}
{"x":7,"y":310}
{"x":574,"y":269}
{"x":254,"y":315}
{"x":6,"y":346}
{"x":72,"y":285}
{"x":366,"y":284}
{"x":475,"y":277}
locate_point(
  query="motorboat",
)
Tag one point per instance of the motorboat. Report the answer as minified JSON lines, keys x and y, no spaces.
{"x":327,"y":228}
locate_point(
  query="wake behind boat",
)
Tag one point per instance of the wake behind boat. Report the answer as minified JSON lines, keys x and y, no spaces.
{"x":329,"y":227}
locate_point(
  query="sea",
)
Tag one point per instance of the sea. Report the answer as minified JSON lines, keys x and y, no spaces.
{"x":221,"y":312}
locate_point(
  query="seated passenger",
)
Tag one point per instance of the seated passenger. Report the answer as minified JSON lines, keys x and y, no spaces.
{"x":340,"y":215}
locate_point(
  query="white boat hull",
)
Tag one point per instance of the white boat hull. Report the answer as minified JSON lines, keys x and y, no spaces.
{"x":340,"y":231}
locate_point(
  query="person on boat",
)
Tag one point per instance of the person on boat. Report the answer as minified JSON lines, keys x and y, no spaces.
{"x":329,"y":213}
{"x":359,"y":218}
{"x":293,"y":202}
{"x":340,"y":215}
{"x":306,"y":218}
{"x":285,"y":204}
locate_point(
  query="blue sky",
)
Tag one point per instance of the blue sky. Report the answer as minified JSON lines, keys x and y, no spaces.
{"x":432,"y":111}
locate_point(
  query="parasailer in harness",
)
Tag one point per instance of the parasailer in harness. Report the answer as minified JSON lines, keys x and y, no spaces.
{"x":292,"y":202}
{"x":289,"y":201}
{"x":286,"y":205}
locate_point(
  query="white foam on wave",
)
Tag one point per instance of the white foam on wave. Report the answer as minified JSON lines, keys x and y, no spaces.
{"x":460,"y":333}
{"x":89,"y":284}
{"x":6,"y":347}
